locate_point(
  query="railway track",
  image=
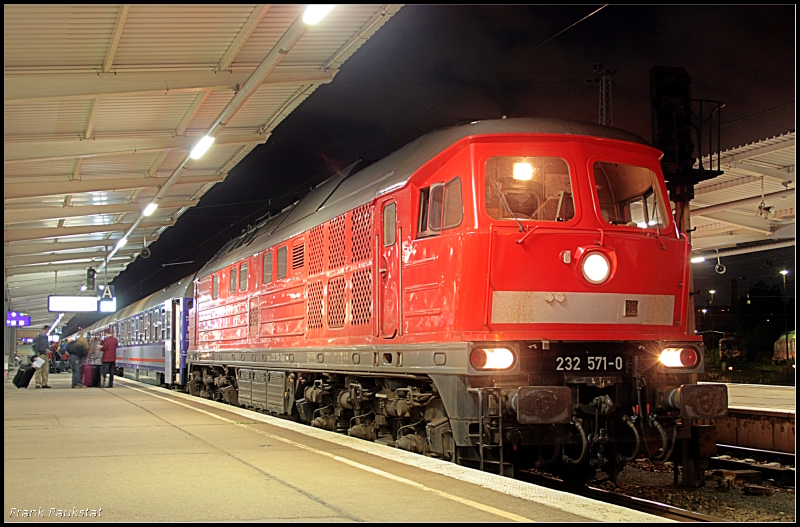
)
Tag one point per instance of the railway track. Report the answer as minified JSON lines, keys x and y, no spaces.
{"x":769,"y":456}
{"x":655,"y":508}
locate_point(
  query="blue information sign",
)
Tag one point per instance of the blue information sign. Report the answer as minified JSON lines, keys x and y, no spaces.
{"x":16,"y":320}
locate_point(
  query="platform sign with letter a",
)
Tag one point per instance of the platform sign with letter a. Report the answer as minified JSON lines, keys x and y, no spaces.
{"x":106,"y":298}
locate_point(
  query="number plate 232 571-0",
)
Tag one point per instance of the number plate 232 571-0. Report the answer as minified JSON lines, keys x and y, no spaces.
{"x":590,"y":363}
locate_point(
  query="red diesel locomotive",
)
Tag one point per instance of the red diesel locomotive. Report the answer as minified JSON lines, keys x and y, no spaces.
{"x":507,"y":293}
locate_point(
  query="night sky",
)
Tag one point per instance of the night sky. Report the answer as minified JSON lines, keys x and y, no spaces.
{"x":431,"y":67}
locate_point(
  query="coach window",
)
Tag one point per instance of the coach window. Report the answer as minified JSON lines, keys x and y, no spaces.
{"x":389,"y":224}
{"x":243,"y":277}
{"x":215,"y":287}
{"x":268,"y":267}
{"x":629,"y":195}
{"x":528,"y":188}
{"x":282,"y":253}
{"x":148,"y":323}
{"x":233,"y":280}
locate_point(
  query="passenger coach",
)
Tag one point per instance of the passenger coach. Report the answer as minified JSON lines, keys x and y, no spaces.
{"x":152,"y":335}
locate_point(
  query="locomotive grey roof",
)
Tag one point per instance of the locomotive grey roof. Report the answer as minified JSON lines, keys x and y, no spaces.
{"x":180,"y":289}
{"x":340,"y":193}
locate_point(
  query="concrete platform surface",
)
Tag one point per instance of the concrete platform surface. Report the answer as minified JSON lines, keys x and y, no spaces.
{"x":762,"y":397}
{"x":140,"y":453}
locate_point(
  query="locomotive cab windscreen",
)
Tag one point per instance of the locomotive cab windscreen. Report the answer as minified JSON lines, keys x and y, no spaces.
{"x":529,"y":188}
{"x":629,"y":195}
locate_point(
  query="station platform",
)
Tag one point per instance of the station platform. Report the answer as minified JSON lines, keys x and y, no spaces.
{"x":762,"y":397}
{"x":140,"y":453}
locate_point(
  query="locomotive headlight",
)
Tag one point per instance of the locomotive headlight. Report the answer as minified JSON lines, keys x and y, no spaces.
{"x":596,"y":268}
{"x":679,"y":357}
{"x":491,"y":358}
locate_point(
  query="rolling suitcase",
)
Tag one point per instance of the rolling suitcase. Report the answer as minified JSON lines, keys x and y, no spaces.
{"x":90,"y":375}
{"x":86,"y":375}
{"x":23,"y":376}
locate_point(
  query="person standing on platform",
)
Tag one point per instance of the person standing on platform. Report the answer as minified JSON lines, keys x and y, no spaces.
{"x":109,"y":359}
{"x":40,"y":347}
{"x":78,"y":349}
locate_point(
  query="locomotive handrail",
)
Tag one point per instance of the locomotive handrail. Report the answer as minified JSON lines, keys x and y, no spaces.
{"x":400,"y":278}
{"x":685,"y":282}
{"x":378,"y":286}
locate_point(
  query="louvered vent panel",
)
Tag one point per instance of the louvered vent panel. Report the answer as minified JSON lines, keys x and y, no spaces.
{"x":315,"y":305}
{"x":298,"y":253}
{"x":336,"y":302}
{"x":362,"y":297}
{"x":316,"y":239}
{"x":336,"y":242}
{"x":361,"y":222}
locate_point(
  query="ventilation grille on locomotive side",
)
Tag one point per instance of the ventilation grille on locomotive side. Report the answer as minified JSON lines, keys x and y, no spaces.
{"x":315,"y":305}
{"x":336,"y":240}
{"x":336,"y":302}
{"x":362,"y":297}
{"x":316,"y":241}
{"x":361,"y":222}
{"x":298,"y":253}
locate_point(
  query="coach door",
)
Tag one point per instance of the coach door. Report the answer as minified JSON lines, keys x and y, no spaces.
{"x":388,"y":263}
{"x":175,"y":337}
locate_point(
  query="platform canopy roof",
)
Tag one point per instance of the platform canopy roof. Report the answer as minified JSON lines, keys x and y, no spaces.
{"x":725,"y":211}
{"x":102,"y":104}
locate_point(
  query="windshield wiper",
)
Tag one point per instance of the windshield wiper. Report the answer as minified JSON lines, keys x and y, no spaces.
{"x":505,"y":204}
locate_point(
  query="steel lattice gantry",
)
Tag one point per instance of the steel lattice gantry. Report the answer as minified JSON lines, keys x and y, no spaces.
{"x":103,"y":102}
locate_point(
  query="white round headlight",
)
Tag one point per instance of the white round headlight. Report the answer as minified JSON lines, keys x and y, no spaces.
{"x":596,"y":268}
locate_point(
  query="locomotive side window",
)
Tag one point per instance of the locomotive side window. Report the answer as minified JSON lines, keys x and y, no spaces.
{"x":453,"y":208}
{"x":215,"y":287}
{"x":424,"y":199}
{"x":268,"y":267}
{"x":281,"y":263}
{"x":435,"y":209}
{"x":243,"y":277}
{"x":389,"y":224}
{"x":440,"y":207}
{"x":529,"y":188}
{"x":629,"y":195}
{"x":233,"y":280}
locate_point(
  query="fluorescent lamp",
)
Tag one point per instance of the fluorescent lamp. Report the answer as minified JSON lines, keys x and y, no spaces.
{"x":201,"y":147}
{"x":83,"y":287}
{"x":698,"y":259}
{"x":315,"y":13}
{"x":122,"y":241}
{"x":149,"y":209}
